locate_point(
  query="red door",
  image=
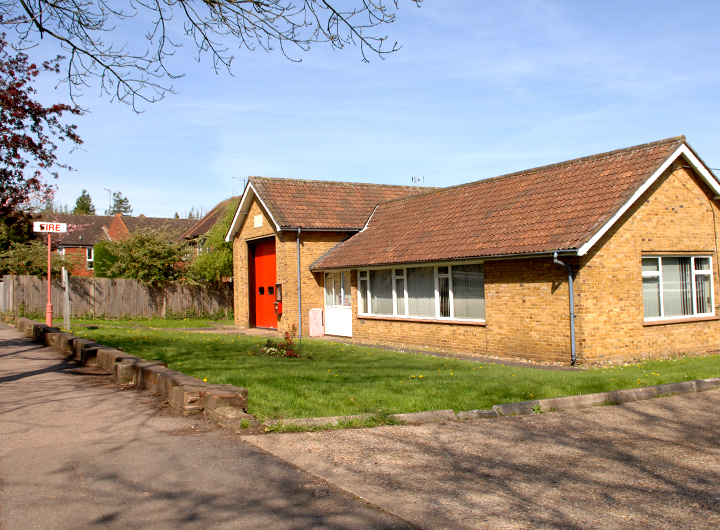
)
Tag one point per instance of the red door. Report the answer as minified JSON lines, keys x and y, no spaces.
{"x":265,"y":316}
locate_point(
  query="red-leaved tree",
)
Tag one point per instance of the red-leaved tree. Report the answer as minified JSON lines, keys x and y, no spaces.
{"x":28,"y":132}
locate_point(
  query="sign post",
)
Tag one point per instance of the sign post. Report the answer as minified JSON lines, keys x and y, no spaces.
{"x":49,"y":228}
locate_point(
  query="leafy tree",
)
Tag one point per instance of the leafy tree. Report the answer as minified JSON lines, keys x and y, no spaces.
{"x":84,"y":204}
{"x":103,"y":259}
{"x":120,"y":205}
{"x":215,"y":260}
{"x":28,"y":131}
{"x":177,"y":215}
{"x":151,"y":256}
{"x":128,"y":70}
{"x":31,"y":258}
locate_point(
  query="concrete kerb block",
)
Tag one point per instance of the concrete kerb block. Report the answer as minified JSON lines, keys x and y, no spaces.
{"x":477,"y":414}
{"x":684,"y":387}
{"x":582,"y":401}
{"x":703,"y":385}
{"x":425,"y":417}
{"x":616,"y":397}
{"x":187,"y":400}
{"x":317,"y":422}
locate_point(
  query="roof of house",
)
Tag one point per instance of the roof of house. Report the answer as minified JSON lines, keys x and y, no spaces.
{"x":83,"y":230}
{"x":203,"y":226}
{"x":315,"y":204}
{"x":560,"y":207}
{"x":155,"y":223}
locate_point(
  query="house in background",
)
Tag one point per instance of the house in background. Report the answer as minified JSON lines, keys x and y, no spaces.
{"x":485,"y":268}
{"x":85,"y":231}
{"x":202,"y":226}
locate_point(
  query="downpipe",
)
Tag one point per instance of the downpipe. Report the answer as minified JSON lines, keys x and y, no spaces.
{"x":299,"y":280}
{"x":572,"y":306}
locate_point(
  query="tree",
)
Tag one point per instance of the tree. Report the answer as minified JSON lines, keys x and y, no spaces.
{"x":129,"y":70}
{"x":31,"y":258}
{"x":151,"y":256}
{"x":215,"y":261}
{"x":103,"y":259}
{"x":28,"y":130}
{"x":120,"y":205}
{"x":84,"y":205}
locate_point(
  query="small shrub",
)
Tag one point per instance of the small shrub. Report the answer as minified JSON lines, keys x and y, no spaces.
{"x":287,"y":348}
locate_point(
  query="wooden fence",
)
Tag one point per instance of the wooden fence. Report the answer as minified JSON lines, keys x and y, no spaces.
{"x":114,"y":297}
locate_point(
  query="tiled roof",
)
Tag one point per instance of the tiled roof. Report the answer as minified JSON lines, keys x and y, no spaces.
{"x":202,"y":226}
{"x":83,"y":230}
{"x":320,"y":204}
{"x":556,"y":207}
{"x":156,"y":223}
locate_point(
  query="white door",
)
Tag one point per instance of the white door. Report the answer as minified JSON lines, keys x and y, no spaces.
{"x":338,"y":306}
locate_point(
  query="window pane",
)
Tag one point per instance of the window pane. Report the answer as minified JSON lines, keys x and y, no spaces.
{"x":328,"y":289}
{"x":468,"y":291}
{"x":362,"y":304}
{"x":702,"y":264}
{"x":421,"y":292}
{"x":346,"y":289}
{"x":400,"y":294}
{"x":703,"y":297}
{"x":651,"y":296}
{"x":650,"y":264}
{"x":399,"y":272}
{"x":442,"y":270}
{"x":381,"y":292}
{"x":338,"y":292}
{"x":677,"y":296}
{"x":444,"y":291}
{"x":363,"y":274}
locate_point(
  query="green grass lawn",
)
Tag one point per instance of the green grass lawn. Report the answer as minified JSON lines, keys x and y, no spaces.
{"x":146,"y":323}
{"x":342,"y":379}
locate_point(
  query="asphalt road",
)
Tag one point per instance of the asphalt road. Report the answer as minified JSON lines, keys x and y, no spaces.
{"x":77,"y":452}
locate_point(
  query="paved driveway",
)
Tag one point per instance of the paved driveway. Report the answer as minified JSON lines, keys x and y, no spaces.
{"x":76,"y":452}
{"x":650,"y":464}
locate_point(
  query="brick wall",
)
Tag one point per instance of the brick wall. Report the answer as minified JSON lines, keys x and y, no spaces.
{"x":526,"y":307}
{"x":78,"y":255}
{"x":676,"y":215}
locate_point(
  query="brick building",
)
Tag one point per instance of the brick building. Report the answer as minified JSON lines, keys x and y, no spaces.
{"x":487,"y":267}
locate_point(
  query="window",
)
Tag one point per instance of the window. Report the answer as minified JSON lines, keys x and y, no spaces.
{"x":337,"y":289}
{"x":677,"y":286}
{"x":89,"y":251}
{"x":445,"y":292}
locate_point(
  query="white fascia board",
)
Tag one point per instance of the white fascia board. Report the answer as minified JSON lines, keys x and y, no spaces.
{"x":684,"y":151}
{"x":244,"y":209}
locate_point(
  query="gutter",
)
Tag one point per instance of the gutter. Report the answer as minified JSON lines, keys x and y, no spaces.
{"x":572,"y":306}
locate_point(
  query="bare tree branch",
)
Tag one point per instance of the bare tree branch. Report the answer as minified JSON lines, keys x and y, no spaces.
{"x":131,"y":72}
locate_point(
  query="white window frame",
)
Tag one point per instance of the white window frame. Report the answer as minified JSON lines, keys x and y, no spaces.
{"x":342,"y":289}
{"x":658,"y":274}
{"x":89,"y":258}
{"x":364,"y":284}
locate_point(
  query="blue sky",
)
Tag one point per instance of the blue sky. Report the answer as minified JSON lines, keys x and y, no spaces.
{"x":479,"y":89}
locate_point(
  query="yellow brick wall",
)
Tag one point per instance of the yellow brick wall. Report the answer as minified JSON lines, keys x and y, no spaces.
{"x":526,"y":308}
{"x":676,"y":215}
